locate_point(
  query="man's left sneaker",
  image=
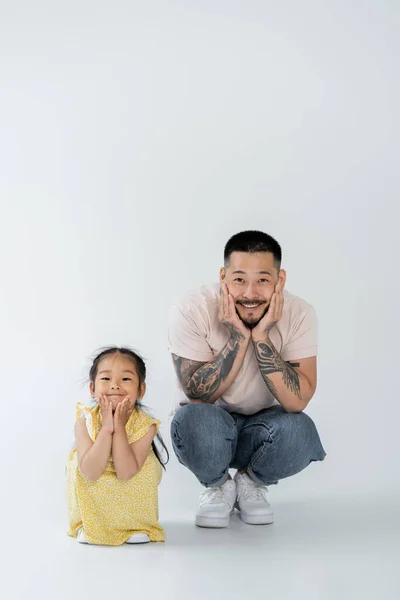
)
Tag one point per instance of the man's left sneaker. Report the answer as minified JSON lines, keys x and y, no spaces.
{"x":252,"y":501}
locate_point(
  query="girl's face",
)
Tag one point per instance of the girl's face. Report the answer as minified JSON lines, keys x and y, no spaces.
{"x":116,"y":378}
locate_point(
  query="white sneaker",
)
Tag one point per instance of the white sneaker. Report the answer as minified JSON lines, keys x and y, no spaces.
{"x":216,"y":505}
{"x":252,"y":501}
{"x":81,"y":538}
{"x":138,"y":538}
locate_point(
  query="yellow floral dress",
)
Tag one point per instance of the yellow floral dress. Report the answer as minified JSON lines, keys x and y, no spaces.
{"x":111,"y":510}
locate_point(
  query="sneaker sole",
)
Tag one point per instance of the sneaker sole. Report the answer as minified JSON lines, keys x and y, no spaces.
{"x":257,"y":519}
{"x":80,"y":538}
{"x":213,"y":522}
{"x":138,"y":539}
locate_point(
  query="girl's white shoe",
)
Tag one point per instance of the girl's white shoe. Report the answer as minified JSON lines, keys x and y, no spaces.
{"x":81,"y":538}
{"x":136,"y":538}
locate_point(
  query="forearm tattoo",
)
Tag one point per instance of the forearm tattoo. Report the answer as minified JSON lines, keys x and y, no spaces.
{"x":200,"y":380}
{"x":270,"y":361}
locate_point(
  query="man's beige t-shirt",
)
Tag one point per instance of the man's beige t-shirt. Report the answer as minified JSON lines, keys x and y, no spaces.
{"x":196,"y":333}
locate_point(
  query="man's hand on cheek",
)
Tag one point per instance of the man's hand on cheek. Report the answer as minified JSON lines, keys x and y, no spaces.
{"x":228,"y":316}
{"x":271,"y":317}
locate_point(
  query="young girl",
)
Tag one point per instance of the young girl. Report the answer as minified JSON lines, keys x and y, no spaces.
{"x":114,"y":471}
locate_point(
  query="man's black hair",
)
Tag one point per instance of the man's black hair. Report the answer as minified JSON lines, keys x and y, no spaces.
{"x":253,"y":241}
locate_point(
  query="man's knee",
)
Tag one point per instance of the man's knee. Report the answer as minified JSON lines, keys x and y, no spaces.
{"x":291,"y":425}
{"x":205,"y":429}
{"x":291,"y":444}
{"x":204,"y":438}
{"x":202,"y":422}
{"x":280,"y":430}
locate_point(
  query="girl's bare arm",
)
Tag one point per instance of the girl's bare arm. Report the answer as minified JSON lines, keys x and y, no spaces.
{"x":92,"y":457}
{"x":129,"y":458}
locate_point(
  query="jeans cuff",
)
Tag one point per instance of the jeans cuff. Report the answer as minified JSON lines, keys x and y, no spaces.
{"x":223,"y":480}
{"x":254,"y":477}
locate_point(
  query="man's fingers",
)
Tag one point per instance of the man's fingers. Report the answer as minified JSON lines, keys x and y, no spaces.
{"x":224,"y":299}
{"x":231,"y":306}
{"x":272,"y":305}
{"x":281,"y":302}
{"x":278,"y":307}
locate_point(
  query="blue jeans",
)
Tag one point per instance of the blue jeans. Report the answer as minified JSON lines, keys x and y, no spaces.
{"x":271,"y":444}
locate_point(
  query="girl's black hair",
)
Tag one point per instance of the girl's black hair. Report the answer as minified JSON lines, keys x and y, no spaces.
{"x":141,"y":369}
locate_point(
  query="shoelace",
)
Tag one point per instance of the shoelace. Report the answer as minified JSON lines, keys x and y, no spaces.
{"x":213,"y":495}
{"x":254,"y":492}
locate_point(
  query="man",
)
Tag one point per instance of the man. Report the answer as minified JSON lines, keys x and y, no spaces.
{"x":244,"y":352}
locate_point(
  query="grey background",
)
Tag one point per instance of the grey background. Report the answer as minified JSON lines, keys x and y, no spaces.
{"x":135,"y":139}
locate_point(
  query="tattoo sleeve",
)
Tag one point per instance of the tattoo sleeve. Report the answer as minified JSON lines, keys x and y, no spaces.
{"x":270,"y":361}
{"x":200,"y":380}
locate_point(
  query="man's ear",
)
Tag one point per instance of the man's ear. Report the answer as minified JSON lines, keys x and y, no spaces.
{"x":222,"y":274}
{"x":282,"y":278}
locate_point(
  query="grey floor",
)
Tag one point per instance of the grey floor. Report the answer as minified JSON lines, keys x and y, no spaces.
{"x":317,"y":548}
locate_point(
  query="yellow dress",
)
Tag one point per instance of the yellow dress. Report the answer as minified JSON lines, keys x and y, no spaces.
{"x":111,"y":510}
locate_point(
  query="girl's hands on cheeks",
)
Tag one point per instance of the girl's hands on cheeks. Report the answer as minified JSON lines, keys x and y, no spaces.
{"x":107,"y":421}
{"x":122,"y":414}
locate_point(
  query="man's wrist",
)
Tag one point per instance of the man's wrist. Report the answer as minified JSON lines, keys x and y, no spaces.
{"x":240,"y":336}
{"x":260,"y":337}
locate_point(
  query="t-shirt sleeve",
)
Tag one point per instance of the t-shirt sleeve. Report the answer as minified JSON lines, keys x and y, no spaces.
{"x":187,"y":336}
{"x":86,"y":413}
{"x":302,"y":342}
{"x":142,"y":427}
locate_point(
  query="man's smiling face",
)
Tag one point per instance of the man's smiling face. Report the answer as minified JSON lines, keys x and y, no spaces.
{"x":251,"y":278}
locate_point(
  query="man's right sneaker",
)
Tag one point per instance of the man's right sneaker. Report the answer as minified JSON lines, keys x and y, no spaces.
{"x":216,"y":505}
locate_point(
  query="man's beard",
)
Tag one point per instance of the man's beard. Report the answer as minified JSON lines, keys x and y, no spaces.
{"x":252,"y":324}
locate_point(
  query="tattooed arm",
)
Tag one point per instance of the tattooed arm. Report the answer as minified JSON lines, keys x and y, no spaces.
{"x":292,"y":383}
{"x":206,"y":382}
